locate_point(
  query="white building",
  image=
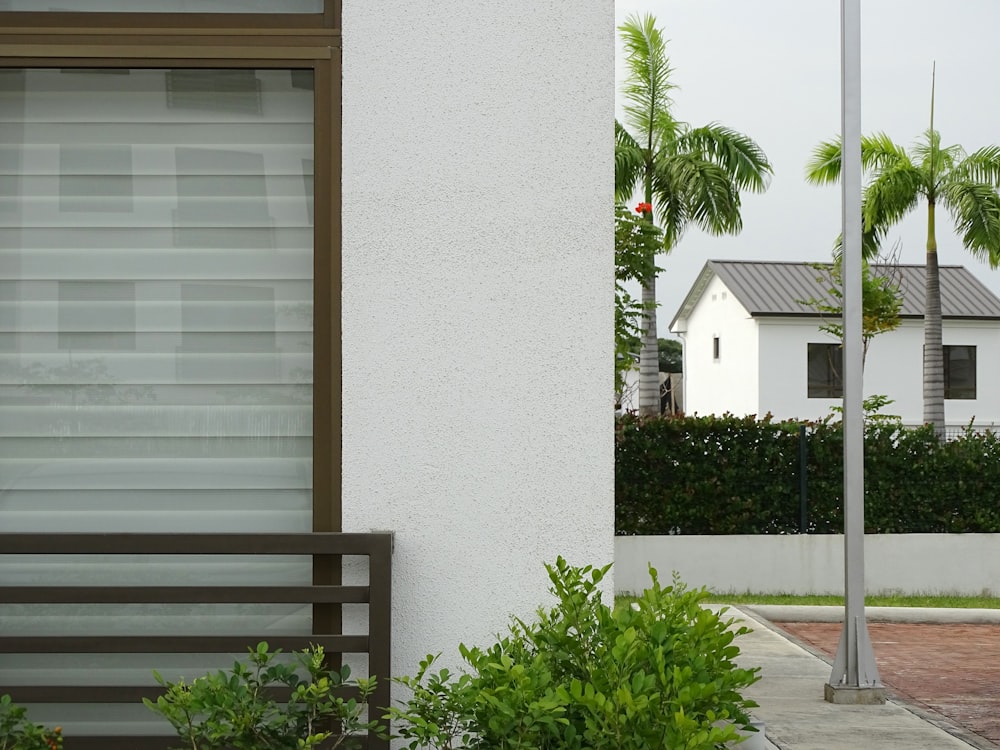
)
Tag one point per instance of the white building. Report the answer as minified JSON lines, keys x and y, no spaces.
{"x":751,"y":347}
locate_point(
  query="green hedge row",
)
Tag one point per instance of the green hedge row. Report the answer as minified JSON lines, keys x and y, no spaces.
{"x":740,"y":475}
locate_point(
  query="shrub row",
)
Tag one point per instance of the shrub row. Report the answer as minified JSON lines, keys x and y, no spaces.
{"x":740,"y":475}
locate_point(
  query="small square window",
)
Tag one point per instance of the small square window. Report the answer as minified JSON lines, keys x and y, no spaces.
{"x":960,"y":372}
{"x":825,"y":371}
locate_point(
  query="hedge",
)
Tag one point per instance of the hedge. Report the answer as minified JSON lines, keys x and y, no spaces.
{"x":740,"y":475}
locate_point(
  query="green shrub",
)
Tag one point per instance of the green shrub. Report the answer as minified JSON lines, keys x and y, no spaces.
{"x":740,"y":475}
{"x":656,"y":674}
{"x":237,"y":710}
{"x":17,"y":733}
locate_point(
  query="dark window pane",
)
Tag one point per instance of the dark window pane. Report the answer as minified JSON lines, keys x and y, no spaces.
{"x":960,"y":372}
{"x":825,"y":368}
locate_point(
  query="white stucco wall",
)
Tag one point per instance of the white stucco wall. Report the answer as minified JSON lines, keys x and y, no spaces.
{"x":477,"y":308}
{"x":893,"y":368}
{"x":729,"y":383}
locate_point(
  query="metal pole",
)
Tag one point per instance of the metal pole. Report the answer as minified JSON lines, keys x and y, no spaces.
{"x":854,"y":678}
{"x":803,"y":481}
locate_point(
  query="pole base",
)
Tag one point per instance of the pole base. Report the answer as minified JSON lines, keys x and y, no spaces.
{"x":845,"y":695}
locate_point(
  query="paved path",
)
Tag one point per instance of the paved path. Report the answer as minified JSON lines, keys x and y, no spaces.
{"x":953,"y":670}
{"x":796,"y":717}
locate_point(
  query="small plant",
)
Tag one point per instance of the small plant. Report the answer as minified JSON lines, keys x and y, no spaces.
{"x":658,"y":673}
{"x":17,"y":733}
{"x":238,"y":711}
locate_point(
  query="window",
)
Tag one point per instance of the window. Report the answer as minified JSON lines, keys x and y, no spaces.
{"x":825,"y":371}
{"x":715,"y":348}
{"x":166,"y":307}
{"x":960,"y":372}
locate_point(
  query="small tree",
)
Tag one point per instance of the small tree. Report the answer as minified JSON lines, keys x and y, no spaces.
{"x":881,"y":299}
{"x":636,"y":242}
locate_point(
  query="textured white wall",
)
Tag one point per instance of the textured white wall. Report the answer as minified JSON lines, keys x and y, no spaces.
{"x":729,"y":383}
{"x":477,"y":307}
{"x":911,"y":564}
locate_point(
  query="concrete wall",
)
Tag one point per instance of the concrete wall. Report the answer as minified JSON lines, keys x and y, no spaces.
{"x":813,"y":564}
{"x":477,"y":315}
{"x":729,"y":383}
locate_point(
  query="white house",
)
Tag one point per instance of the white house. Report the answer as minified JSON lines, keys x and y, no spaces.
{"x":751,"y":346}
{"x":288,"y":267}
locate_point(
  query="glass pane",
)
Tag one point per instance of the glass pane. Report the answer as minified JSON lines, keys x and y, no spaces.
{"x":156,"y":361}
{"x":165,"y":6}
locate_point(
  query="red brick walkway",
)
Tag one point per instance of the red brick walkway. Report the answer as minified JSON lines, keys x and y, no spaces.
{"x":953,"y":670}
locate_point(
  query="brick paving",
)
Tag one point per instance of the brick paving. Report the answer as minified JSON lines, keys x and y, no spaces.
{"x":953,"y":670}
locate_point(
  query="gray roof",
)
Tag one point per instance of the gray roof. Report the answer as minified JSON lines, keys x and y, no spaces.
{"x":767,"y":288}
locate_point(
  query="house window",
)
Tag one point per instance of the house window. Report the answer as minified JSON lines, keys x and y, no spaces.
{"x":960,"y":372}
{"x":825,"y":371}
{"x":716,"y":349}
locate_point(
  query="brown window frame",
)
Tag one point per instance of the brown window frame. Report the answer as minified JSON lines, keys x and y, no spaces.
{"x":189,"y":40}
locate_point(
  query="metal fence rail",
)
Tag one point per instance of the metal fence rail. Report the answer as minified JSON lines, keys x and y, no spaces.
{"x":325,"y":596}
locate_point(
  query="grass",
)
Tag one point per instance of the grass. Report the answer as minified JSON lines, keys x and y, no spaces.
{"x":887,"y":600}
{"x":890,"y":600}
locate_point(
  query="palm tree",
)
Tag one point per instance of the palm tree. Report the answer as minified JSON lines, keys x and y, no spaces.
{"x":897,"y":180}
{"x":686,"y":175}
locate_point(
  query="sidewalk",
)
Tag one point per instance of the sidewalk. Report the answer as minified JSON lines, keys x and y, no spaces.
{"x":790,"y":693}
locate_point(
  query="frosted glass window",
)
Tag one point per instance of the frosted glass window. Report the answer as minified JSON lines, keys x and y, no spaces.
{"x":165,"y":6}
{"x":95,"y":178}
{"x":156,"y":364}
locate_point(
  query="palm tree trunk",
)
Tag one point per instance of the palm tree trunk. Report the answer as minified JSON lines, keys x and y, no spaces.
{"x":649,"y":355}
{"x":933,"y":350}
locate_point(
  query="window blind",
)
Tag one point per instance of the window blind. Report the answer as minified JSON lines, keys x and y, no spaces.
{"x":165,"y":6}
{"x":156,"y":260}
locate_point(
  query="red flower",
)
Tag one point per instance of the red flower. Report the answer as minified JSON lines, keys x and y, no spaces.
{"x":643,"y":208}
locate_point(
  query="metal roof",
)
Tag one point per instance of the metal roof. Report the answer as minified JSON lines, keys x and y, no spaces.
{"x":773,"y":288}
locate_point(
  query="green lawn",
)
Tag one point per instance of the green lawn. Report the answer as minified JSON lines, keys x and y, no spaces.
{"x":961,"y":602}
{"x":964,"y":602}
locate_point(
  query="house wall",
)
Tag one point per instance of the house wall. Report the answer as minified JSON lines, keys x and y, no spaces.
{"x":783,"y":368}
{"x":894,"y":368}
{"x":477,"y":322}
{"x":729,"y":383}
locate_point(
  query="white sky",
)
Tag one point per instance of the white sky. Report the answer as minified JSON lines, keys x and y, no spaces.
{"x":771,"y":69}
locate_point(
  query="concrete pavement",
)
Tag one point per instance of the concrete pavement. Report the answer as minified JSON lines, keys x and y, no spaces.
{"x":790,"y":691}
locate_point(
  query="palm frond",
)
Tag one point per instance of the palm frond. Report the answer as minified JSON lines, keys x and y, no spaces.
{"x":892,"y":194}
{"x":647,"y":86}
{"x":669,"y":202}
{"x":981,"y":166}
{"x":739,"y":155}
{"x":879,"y":152}
{"x":975,"y":208}
{"x":934,"y":160}
{"x":706,"y":191}
{"x":630,"y":161}
{"x":823,"y":166}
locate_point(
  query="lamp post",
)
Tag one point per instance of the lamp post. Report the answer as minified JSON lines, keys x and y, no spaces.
{"x":854,"y":678}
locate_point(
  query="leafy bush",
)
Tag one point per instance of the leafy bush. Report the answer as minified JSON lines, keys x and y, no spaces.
{"x":237,"y":710}
{"x":740,"y":475}
{"x":17,"y":733}
{"x":659,"y":673}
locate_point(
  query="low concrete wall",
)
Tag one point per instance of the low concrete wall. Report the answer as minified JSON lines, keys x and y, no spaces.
{"x":812,"y":563}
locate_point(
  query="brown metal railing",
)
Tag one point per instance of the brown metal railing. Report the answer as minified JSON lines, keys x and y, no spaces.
{"x":326,"y":549}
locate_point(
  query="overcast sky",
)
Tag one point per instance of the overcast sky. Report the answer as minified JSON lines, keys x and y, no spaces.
{"x":771,"y":69}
